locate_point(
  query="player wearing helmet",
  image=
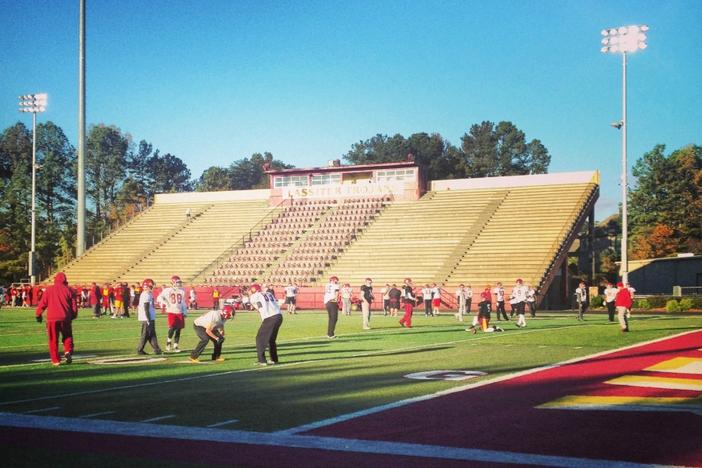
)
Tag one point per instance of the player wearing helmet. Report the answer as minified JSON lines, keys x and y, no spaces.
{"x":147,"y":316}
{"x":271,"y":320}
{"x":331,"y":302}
{"x":210,"y":327}
{"x":173,"y":298}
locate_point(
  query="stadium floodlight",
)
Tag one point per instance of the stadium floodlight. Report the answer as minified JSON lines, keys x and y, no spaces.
{"x":33,"y":103}
{"x":624,"y":40}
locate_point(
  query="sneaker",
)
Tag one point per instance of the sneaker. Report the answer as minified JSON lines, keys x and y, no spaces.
{"x":194,"y":360}
{"x":69,"y":358}
{"x":366,"y":328}
{"x":176,"y":348}
{"x":142,"y":353}
{"x":219,"y":359}
{"x":332,"y":337}
{"x":257,"y":363}
{"x":168,"y":345}
{"x":158,"y":352}
{"x":55,"y":364}
{"x":271,"y":363}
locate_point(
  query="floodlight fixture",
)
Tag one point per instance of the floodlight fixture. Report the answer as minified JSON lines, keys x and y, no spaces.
{"x":33,"y":103}
{"x":624,"y":40}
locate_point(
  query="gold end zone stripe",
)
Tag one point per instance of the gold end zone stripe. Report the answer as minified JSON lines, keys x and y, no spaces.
{"x":672,"y":383}
{"x":682,"y":365}
{"x":626,"y":403}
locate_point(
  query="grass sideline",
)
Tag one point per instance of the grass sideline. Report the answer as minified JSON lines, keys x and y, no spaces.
{"x":317,"y":379}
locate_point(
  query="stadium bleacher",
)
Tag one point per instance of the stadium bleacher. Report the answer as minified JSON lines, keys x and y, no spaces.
{"x":471,"y":231}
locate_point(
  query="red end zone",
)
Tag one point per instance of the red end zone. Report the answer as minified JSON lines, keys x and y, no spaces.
{"x":642,"y":404}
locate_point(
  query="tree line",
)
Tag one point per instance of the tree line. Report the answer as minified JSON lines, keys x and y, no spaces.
{"x":122,"y":178}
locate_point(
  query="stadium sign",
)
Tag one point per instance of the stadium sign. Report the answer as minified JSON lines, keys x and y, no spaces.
{"x":338,"y":191}
{"x":445,"y":375}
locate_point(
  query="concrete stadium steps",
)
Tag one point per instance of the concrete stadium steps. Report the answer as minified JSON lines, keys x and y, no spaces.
{"x":414,"y":239}
{"x":107,"y":259}
{"x":192,"y":249}
{"x":524,"y":236}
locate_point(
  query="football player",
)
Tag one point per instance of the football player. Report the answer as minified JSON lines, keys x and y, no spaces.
{"x":173,"y":301}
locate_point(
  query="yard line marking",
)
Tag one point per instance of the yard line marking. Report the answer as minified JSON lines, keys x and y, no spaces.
{"x":224,"y":423}
{"x":407,"y":401}
{"x":42,"y":410}
{"x":158,"y":418}
{"x":165,"y":431}
{"x":469,"y":337}
{"x":93,"y":415}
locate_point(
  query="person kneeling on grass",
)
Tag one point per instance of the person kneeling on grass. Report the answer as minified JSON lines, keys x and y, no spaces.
{"x":210,"y":327}
{"x":483,"y":317}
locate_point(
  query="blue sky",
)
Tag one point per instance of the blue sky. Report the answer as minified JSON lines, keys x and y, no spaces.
{"x":215,"y":81}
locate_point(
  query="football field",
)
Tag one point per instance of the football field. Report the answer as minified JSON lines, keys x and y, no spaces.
{"x":319,"y":383}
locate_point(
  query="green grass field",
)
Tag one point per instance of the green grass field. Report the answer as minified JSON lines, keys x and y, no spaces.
{"x":317,"y":379}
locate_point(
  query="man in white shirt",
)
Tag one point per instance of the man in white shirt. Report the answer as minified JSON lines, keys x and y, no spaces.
{"x":173,"y":298}
{"x":146,"y":314}
{"x":331,"y":302}
{"x":531,"y":300}
{"x":461,"y":301}
{"x":210,"y":327}
{"x":582,"y":299}
{"x":426,"y":297}
{"x":271,"y":320}
{"x":291,"y":297}
{"x":610,"y":294}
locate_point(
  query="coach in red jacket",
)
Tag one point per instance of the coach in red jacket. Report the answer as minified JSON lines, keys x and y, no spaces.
{"x":60,"y":303}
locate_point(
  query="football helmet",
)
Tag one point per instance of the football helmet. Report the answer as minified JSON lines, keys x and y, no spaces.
{"x":175,"y":281}
{"x":148,"y":283}
{"x":334,"y":278}
{"x":255,"y":288}
{"x":227,"y":312}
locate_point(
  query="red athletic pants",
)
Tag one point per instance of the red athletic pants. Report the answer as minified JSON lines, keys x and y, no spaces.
{"x":407,"y":318}
{"x":53,"y":329}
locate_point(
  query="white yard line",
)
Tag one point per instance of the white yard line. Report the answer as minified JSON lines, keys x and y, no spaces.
{"x":43,"y":410}
{"x":224,"y":423}
{"x":158,"y":418}
{"x":94,"y":415}
{"x":305,"y":442}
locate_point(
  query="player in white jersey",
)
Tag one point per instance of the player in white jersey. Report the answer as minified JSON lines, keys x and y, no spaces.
{"x":291,"y":297}
{"x":461,"y":296}
{"x":271,"y":320}
{"x":519,"y":292}
{"x":173,"y":301}
{"x":331,"y":303}
{"x":610,"y":294}
{"x":499,"y":293}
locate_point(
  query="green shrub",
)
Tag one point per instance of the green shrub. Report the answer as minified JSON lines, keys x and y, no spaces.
{"x":672,"y":306}
{"x":657,"y":301}
{"x":696,"y":302}
{"x":685,"y":304}
{"x":597,"y":301}
{"x":642,"y":304}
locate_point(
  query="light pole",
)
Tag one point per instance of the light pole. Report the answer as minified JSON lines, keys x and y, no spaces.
{"x":624,"y":40}
{"x":33,"y":103}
